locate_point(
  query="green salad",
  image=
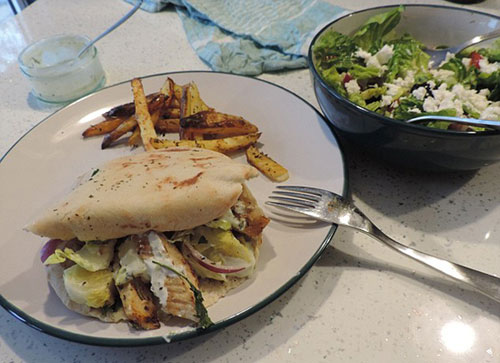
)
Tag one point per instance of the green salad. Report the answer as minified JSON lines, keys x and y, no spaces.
{"x":390,"y":74}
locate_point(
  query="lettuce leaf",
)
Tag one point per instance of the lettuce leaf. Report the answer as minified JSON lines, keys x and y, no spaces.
{"x":93,"y":256}
{"x":361,"y":73}
{"x":492,"y":82}
{"x":334,"y":49}
{"x":369,"y":36}
{"x":408,"y":55}
{"x":492,"y":53}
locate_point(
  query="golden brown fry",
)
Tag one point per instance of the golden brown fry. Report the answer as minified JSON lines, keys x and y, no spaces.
{"x":226,"y":145}
{"x":266,"y":165}
{"x":171,"y":112}
{"x":142,"y":115}
{"x":167,"y":125}
{"x":135,"y":138}
{"x":178,"y":93}
{"x":191,"y":101}
{"x":125,"y":127}
{"x":126,"y":110}
{"x":102,"y":127}
{"x":214,"y":125}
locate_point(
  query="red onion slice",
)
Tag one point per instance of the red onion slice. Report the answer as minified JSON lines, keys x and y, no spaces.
{"x":48,"y":248}
{"x":209,"y":264}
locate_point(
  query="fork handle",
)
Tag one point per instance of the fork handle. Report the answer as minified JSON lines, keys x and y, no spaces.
{"x":487,"y":284}
{"x":478,"y":39}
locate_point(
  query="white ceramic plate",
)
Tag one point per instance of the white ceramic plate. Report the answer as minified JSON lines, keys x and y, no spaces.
{"x":44,"y":164}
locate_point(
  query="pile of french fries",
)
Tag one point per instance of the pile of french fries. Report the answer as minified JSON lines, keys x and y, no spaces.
{"x":179,"y":109}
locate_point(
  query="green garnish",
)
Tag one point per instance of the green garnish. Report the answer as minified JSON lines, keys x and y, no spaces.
{"x":201,"y":311}
{"x":94,"y":173}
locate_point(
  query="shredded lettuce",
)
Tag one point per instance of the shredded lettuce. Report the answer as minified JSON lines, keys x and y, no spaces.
{"x":93,"y":256}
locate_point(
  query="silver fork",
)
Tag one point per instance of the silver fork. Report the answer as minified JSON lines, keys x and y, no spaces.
{"x":330,"y":207}
{"x":439,"y":55}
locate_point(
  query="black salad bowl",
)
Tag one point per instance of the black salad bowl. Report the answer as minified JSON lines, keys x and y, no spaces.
{"x":411,"y":145}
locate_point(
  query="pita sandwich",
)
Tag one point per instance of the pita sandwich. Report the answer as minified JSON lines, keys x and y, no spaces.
{"x":146,"y":235}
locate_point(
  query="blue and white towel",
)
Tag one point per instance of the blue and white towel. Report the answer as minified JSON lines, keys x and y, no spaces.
{"x":250,"y":36}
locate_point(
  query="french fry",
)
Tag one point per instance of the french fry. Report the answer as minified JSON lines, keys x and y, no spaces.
{"x":214,"y":125}
{"x":226,"y":145}
{"x":126,"y":110}
{"x":142,"y":115}
{"x":125,"y":127}
{"x":177,"y":93}
{"x":135,"y":138}
{"x":102,"y":127}
{"x":167,"y":125}
{"x":266,"y":165}
{"x":171,"y":112}
{"x":191,"y":102}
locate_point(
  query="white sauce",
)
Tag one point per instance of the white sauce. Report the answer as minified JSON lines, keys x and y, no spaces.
{"x":159,"y":274}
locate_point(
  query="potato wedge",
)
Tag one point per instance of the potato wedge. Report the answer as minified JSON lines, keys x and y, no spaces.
{"x":135,"y":138}
{"x":266,"y":165}
{"x":214,"y":125}
{"x":102,"y":127}
{"x":126,"y":110}
{"x":226,"y":145}
{"x":171,"y":112}
{"x":191,"y":101}
{"x":125,"y":127}
{"x":167,"y":125}
{"x":142,"y":115}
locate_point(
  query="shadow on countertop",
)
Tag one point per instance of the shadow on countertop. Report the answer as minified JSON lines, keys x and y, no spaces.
{"x":395,"y":192}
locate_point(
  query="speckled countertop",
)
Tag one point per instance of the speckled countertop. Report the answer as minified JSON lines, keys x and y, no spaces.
{"x":360,"y":302}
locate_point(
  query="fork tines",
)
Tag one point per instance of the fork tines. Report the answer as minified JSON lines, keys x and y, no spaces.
{"x":295,"y":197}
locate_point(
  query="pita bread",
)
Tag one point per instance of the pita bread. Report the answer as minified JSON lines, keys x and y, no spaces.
{"x":165,"y":190}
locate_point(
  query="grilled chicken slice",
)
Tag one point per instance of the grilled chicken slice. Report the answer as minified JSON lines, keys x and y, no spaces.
{"x":138,"y":304}
{"x":256,"y":220}
{"x":180,"y":299}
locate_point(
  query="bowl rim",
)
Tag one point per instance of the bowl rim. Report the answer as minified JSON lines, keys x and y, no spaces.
{"x":384,"y":119}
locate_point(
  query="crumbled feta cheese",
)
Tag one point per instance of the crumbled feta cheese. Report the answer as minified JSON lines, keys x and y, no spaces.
{"x":352,"y":87}
{"x":492,"y":112}
{"x":419,"y":93}
{"x":385,"y":101}
{"x":415,"y":110}
{"x":392,"y":89}
{"x":466,"y":62}
{"x":384,"y":54}
{"x":477,"y":101}
{"x":487,"y":67}
{"x":447,"y":58}
{"x":457,"y":98}
{"x":443,"y":75}
{"x":431,"y":84}
{"x":442,"y":99}
{"x":360,"y":53}
{"x":406,"y":82}
{"x":377,"y":60}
